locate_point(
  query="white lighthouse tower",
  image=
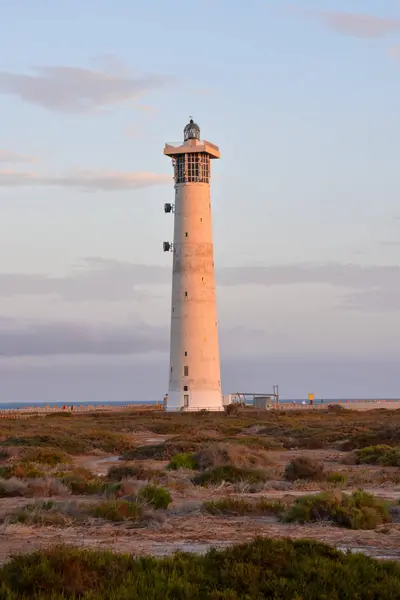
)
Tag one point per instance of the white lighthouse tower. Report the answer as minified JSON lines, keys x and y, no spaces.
{"x":195,"y":375}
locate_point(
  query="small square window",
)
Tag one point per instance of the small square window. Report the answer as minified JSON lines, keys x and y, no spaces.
{"x":185,"y":388}
{"x":186,"y":233}
{"x":171,"y":369}
{"x":185,"y":294}
{"x":201,"y":219}
{"x":186,"y":400}
{"x":185,"y":371}
{"x":185,"y":353}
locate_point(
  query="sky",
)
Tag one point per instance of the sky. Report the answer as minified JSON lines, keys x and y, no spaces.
{"x":303,"y":100}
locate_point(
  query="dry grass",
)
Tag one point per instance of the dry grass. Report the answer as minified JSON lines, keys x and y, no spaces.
{"x":220,"y":455}
{"x":41,"y":488}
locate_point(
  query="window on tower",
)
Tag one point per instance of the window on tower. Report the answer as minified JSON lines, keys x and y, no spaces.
{"x":185,"y":371}
{"x":192,"y":167}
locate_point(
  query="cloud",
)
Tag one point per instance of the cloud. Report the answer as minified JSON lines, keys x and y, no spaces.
{"x":74,"y":89}
{"x":373,"y":287}
{"x":84,"y":180}
{"x":352,"y":24}
{"x":13,"y":157}
{"x":72,"y":338}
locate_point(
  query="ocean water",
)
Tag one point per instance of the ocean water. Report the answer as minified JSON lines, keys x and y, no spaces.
{"x":317,"y":401}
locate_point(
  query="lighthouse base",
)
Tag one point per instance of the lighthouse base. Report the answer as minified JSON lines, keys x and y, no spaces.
{"x":194,"y":401}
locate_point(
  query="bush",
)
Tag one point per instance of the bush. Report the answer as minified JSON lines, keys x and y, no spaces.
{"x":158,"y":497}
{"x":220,"y":455}
{"x":183,"y":461}
{"x":264,"y":568}
{"x":358,"y":511}
{"x":43,"y":514}
{"x":164,"y":451}
{"x":239,"y":506}
{"x":379,"y":455}
{"x":82,"y":481}
{"x":304,"y":468}
{"x":12,"y":488}
{"x":4,"y":454}
{"x":229,"y":475}
{"x":337,"y":478}
{"x":45,"y":456}
{"x":21,"y":471}
{"x":118,"y":510}
{"x":119,"y":473}
{"x":232,"y":410}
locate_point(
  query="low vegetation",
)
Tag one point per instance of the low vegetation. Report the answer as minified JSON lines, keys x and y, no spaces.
{"x":229,"y":474}
{"x":184,"y":460}
{"x":304,"y":468}
{"x":83,"y":481}
{"x":356,"y":511}
{"x":281,"y":569}
{"x":23,"y":470}
{"x":337,"y":478}
{"x":239,"y":506}
{"x":157,"y":496}
{"x":164,"y":451}
{"x":378,"y":455}
{"x":45,"y":456}
{"x":220,"y":455}
{"x":118,"y":510}
{"x":133,"y":472}
{"x":46,"y":487}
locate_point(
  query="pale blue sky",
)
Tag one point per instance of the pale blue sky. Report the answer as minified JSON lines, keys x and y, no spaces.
{"x":302,"y":99}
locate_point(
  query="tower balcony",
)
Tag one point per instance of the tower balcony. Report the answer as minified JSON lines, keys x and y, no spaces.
{"x":191,"y":146}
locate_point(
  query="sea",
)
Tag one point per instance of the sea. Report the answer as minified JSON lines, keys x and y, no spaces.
{"x":17,"y":405}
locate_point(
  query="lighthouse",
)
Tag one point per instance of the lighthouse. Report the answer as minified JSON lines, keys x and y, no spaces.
{"x":194,"y":372}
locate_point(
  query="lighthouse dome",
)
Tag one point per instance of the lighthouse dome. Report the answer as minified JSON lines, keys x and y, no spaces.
{"x":191,"y":131}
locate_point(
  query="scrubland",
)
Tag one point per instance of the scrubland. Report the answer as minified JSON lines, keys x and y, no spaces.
{"x":88,"y":494}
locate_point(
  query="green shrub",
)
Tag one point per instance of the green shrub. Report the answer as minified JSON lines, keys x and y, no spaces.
{"x":264,"y":568}
{"x":233,"y":410}
{"x":183,"y":460}
{"x":337,"y":478}
{"x":258,"y":443}
{"x":4,"y":454}
{"x":230,"y":475}
{"x":356,"y":511}
{"x":239,"y":506}
{"x":163,"y":451}
{"x":45,"y":456}
{"x":158,"y":497}
{"x":303,"y":468}
{"x":117,"y":510}
{"x":21,"y":471}
{"x":119,"y":473}
{"x":379,"y":455}
{"x":82,"y":481}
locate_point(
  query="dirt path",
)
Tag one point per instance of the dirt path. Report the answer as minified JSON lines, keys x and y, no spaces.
{"x":195,"y":533}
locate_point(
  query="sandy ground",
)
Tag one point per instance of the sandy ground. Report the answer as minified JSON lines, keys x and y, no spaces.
{"x":185,"y":527}
{"x":195,"y":533}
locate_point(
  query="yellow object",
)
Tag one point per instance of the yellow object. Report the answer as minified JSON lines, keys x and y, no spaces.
{"x":311,"y":396}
